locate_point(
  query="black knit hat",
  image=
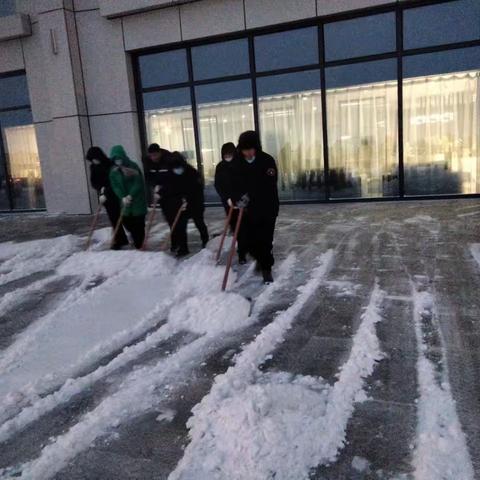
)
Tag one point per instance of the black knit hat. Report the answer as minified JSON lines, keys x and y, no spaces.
{"x":176,"y":159}
{"x":153,"y":148}
{"x":248,"y":140}
{"x":228,"y":148}
{"x":96,"y":153}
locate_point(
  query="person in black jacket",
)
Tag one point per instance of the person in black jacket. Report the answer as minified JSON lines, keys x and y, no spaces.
{"x":191,"y":186}
{"x":256,"y":178}
{"x":155,"y":167}
{"x":100,"y":166}
{"x":224,"y":179}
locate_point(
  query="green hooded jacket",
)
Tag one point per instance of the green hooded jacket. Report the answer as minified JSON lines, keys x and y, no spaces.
{"x":127,"y":179}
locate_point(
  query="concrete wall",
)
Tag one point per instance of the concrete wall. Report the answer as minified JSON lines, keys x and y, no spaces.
{"x":82,"y":93}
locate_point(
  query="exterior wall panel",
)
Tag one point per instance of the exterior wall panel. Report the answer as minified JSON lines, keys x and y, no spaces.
{"x":260,"y":13}
{"x":11,"y":57}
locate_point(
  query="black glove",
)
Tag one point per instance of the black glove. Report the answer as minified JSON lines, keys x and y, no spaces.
{"x":244,"y":200}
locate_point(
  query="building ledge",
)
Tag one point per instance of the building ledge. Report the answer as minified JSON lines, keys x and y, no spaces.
{"x":15,"y":26}
{"x":119,"y":8}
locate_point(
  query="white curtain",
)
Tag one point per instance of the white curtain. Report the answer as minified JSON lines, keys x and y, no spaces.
{"x":24,"y":166}
{"x":363,"y":139}
{"x":291,"y":126}
{"x":220,"y":123}
{"x":172,"y":129}
{"x":442,"y":133}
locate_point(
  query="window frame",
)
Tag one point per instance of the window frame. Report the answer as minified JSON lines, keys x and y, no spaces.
{"x":399,"y":54}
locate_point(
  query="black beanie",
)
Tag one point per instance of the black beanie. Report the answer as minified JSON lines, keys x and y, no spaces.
{"x":153,"y":148}
{"x":249,"y":139}
{"x":96,"y":153}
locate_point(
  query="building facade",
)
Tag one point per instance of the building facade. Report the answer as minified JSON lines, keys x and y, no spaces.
{"x":356,"y":99}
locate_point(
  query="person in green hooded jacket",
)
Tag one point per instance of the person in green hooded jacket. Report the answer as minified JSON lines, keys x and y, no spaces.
{"x":126,"y":180}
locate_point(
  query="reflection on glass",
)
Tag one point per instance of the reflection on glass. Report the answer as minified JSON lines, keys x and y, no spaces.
{"x":225,"y":110}
{"x":440,"y":24}
{"x":360,"y":36}
{"x":163,"y":68}
{"x":441,"y":133}
{"x":291,"y":127}
{"x":362,"y":133}
{"x":169,"y":121}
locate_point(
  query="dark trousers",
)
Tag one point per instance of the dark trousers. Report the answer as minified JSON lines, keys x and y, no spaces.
{"x":179,"y":234}
{"x":197,"y":217}
{"x":112,"y":206}
{"x":136,"y":226}
{"x":256,"y":238}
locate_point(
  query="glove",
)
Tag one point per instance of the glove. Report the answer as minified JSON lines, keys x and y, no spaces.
{"x":156,"y":197}
{"x":127,"y":201}
{"x":184,"y":205}
{"x":157,"y":188}
{"x":229,"y":202}
{"x":102,"y":199}
{"x":243,"y":202}
{"x":102,"y":191}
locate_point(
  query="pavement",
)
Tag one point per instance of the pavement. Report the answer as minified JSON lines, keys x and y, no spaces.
{"x":403,"y":247}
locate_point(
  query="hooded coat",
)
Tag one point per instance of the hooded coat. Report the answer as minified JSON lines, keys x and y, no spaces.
{"x":127,"y":179}
{"x":224,"y":174}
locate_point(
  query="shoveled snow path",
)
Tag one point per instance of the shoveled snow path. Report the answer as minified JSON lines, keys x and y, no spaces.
{"x":217,"y":452}
{"x":137,"y":394}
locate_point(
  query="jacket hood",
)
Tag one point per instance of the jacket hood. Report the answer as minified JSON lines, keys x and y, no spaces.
{"x":249,"y":139}
{"x":228,"y":148}
{"x":177,"y":160}
{"x":96,"y":153}
{"x":118,"y":152}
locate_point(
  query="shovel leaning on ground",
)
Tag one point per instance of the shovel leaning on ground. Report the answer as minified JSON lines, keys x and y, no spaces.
{"x":93,"y":227}
{"x":224,"y":234}
{"x":232,"y":248}
{"x":117,"y":228}
{"x":182,"y":208}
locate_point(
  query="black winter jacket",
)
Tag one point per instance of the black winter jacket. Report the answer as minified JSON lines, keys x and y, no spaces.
{"x":224,"y":180}
{"x":156,"y":173}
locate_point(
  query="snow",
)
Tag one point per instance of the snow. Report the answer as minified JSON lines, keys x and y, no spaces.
{"x":475,"y":250}
{"x":360,"y":464}
{"x":441,"y":451}
{"x":271,"y":425}
{"x":144,"y":387}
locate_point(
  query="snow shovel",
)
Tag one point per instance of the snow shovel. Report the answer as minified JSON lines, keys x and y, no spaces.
{"x":182,"y":208}
{"x":92,"y":228}
{"x":117,"y":228}
{"x":232,"y":248}
{"x":224,"y":234}
{"x":151,"y":218}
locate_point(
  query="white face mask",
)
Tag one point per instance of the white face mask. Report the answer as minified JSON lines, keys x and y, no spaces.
{"x":178,"y":170}
{"x":228,"y":159}
{"x":250,"y":160}
{"x":95,"y":161}
{"x":118,"y":161}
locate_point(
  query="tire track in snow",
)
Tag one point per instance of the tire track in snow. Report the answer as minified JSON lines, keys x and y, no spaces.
{"x":135,"y":396}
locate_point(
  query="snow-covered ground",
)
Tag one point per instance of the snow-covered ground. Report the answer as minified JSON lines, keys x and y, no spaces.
{"x":360,"y":361}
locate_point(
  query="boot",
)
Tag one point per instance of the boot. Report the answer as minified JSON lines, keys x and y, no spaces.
{"x":267,"y":277}
{"x":242,"y":259}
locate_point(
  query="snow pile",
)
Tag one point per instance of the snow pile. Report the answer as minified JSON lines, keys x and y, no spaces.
{"x":475,"y":249}
{"x":257,"y":426}
{"x":441,"y":452}
{"x":26,"y":258}
{"x":211,"y":314}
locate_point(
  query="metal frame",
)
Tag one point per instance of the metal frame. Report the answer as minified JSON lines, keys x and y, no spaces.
{"x":398,"y":54}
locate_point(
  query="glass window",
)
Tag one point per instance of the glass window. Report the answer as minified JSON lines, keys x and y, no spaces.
{"x":224,"y":111}
{"x":291,"y":125}
{"x":220,"y":59}
{"x":362,"y":129}
{"x":163,"y":68}
{"x":21,"y":165}
{"x":441,"y":114}
{"x":7,"y":7}
{"x":286,"y":49}
{"x":441,"y":24}
{"x":360,"y":37}
{"x":169,"y":121}
{"x":14,"y":92}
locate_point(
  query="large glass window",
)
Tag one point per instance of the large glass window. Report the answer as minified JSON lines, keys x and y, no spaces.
{"x":442,"y":23}
{"x":224,"y":111}
{"x":7,"y":7}
{"x":220,"y":59}
{"x":20,"y":174}
{"x":441,"y":110}
{"x":169,"y":121}
{"x":163,"y":68}
{"x":291,"y":127}
{"x":362,"y":130}
{"x":360,"y":37}
{"x":286,"y":49}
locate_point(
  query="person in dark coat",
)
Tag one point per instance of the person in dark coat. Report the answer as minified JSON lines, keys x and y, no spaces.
{"x":155,"y":167}
{"x":191,"y":187}
{"x":100,"y":166}
{"x":256,"y":178}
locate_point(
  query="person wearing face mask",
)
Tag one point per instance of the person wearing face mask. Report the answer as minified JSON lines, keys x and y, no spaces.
{"x":127,"y":183}
{"x":155,"y":166}
{"x":100,"y":166}
{"x":255,"y":178}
